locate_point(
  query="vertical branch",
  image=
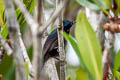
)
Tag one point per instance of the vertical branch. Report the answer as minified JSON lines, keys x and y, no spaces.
{"x":34,"y":28}
{"x":14,"y":32}
{"x":1,"y":53}
{"x":56,"y":13}
{"x":36,"y":38}
{"x":37,"y":57}
{"x":61,"y":43}
{"x":108,"y":47}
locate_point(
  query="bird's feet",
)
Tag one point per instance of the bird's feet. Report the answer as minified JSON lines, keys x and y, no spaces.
{"x":61,"y":61}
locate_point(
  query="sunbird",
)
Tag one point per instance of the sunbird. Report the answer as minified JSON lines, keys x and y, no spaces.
{"x":50,"y":48}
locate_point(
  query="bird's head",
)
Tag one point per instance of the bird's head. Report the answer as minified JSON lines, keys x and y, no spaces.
{"x":67,"y":25}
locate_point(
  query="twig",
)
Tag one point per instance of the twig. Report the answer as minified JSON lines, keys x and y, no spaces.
{"x":14,"y":32}
{"x":56,"y":14}
{"x":106,"y":52}
{"x":26,"y":58}
{"x":6,"y":46}
{"x":1,"y":76}
{"x":1,"y":53}
{"x":115,"y":28}
{"x":107,"y":67}
{"x":32,"y":23}
{"x":61,"y":42}
{"x":33,"y":26}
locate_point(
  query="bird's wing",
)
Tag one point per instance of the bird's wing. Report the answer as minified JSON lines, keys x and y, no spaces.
{"x":51,"y":42}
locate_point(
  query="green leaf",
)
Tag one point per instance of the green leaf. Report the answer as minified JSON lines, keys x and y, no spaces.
{"x":4,"y":32}
{"x":88,"y":4}
{"x":7,"y":68}
{"x":26,"y":70}
{"x":108,"y":3}
{"x":21,"y":19}
{"x":117,"y":75}
{"x":10,"y":74}
{"x":100,"y":3}
{"x":76,"y":49}
{"x":116,"y":61}
{"x":118,"y":6}
{"x":1,"y":6}
{"x":69,"y":78}
{"x":89,"y":46}
{"x":1,"y":13}
{"x":94,"y":5}
{"x":81,"y":75}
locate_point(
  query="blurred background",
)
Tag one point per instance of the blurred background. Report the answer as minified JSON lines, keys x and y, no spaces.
{"x":7,"y":68}
{"x":73,"y":67}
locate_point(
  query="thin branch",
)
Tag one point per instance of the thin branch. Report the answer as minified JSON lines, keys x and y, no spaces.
{"x":61,"y":42}
{"x":1,"y":53}
{"x":56,"y":14}
{"x":32,"y":25}
{"x":1,"y":76}
{"x":14,"y":33}
{"x":36,"y":39}
{"x":6,"y":46}
{"x":25,"y":55}
{"x":115,"y":28}
{"x":108,"y":47}
{"x":31,"y":21}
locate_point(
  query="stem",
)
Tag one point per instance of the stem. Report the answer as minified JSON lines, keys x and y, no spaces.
{"x":15,"y":35}
{"x":37,"y":40}
{"x":56,"y":14}
{"x":6,"y":46}
{"x":108,"y":47}
{"x":61,"y":43}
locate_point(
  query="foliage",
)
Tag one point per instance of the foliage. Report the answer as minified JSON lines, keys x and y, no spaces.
{"x":93,"y":4}
{"x":7,"y":68}
{"x":87,"y":43}
{"x":116,"y":66}
{"x":89,"y":55}
{"x":87,"y":47}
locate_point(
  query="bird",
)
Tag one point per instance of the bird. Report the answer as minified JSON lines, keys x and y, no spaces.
{"x":50,"y":48}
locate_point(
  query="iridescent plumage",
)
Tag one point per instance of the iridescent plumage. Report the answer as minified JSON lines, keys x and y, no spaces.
{"x":50,"y":48}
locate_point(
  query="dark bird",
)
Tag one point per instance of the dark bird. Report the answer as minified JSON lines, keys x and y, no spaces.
{"x":50,"y":48}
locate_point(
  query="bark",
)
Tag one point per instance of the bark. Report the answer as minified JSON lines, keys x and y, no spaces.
{"x":37,"y":40}
{"x":61,"y":42}
{"x":15,"y":36}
